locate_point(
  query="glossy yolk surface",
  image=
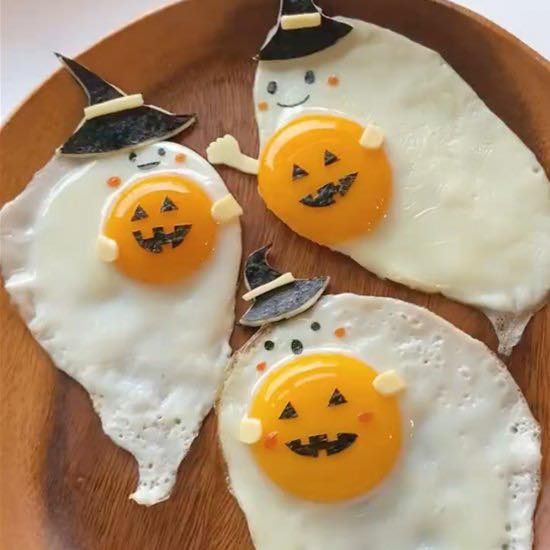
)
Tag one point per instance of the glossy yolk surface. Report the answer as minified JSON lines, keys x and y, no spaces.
{"x":334,"y":470}
{"x":163,"y":227}
{"x":309,"y":154}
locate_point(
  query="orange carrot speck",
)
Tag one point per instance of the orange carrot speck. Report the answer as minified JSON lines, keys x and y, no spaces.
{"x":180,"y":157}
{"x":114,"y":181}
{"x":263,"y":106}
{"x":333,"y":80}
{"x":340,"y":332}
{"x":260,"y":367}
{"x":270,"y":440}
{"x":364,"y":416}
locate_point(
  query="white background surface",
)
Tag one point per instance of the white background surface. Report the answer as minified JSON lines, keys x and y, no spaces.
{"x":31,"y":29}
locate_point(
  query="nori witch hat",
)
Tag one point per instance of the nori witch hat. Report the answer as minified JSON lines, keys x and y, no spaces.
{"x":282,"y":302}
{"x":115,"y":121}
{"x":302,"y":30}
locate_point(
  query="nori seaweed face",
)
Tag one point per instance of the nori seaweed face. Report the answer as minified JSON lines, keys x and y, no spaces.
{"x":297,"y":347}
{"x":336,"y":398}
{"x":330,"y":158}
{"x":288,"y":412}
{"x":298,"y":172}
{"x":320,"y":442}
{"x":291,"y":44}
{"x":282,"y":302}
{"x":160,"y":239}
{"x":130,"y":128}
{"x":325,"y":194}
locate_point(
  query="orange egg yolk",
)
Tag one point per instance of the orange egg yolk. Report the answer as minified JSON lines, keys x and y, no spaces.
{"x":331,"y":436}
{"x":163,"y":228}
{"x":316,"y":176}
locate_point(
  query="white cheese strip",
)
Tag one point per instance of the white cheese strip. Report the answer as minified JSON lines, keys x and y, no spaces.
{"x":106,"y":249}
{"x":226,"y":209}
{"x":372,"y":138}
{"x":113,"y":106}
{"x":250,"y":430}
{"x":388,"y":383}
{"x":283,"y":280}
{"x":300,"y":21}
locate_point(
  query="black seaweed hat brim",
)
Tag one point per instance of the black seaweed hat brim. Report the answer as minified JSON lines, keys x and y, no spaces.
{"x":291,"y":44}
{"x":285,"y":302}
{"x":123,"y":130}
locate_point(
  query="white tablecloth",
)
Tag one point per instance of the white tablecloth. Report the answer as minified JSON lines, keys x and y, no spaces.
{"x":31,"y":29}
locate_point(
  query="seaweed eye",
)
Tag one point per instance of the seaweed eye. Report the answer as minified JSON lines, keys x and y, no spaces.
{"x":272,"y":87}
{"x":132,"y":156}
{"x":309,"y":77}
{"x":297,"y":347}
{"x":336,"y":399}
{"x":139,"y":214}
{"x":162,"y":151}
{"x":298,"y":172}
{"x":288,"y":412}
{"x":168,"y":205}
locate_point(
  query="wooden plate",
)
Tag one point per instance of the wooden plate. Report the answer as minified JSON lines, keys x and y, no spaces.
{"x":64,"y":484}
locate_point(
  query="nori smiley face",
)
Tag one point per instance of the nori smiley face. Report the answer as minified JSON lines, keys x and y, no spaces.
{"x":317,"y":177}
{"x":327,"y":434}
{"x":160,"y":238}
{"x":163,"y":227}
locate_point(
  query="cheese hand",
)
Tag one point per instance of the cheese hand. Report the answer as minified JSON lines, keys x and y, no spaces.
{"x":226,"y":150}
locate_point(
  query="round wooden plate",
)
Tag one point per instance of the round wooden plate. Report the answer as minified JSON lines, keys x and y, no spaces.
{"x":63,"y":483}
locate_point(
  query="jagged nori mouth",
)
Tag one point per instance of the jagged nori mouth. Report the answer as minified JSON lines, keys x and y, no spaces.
{"x":326,"y":195}
{"x":159,"y":239}
{"x":320,"y":442}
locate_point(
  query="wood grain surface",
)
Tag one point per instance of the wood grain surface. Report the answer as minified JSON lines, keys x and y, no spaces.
{"x":63,"y":483}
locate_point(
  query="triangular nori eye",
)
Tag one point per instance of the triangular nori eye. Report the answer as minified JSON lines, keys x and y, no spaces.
{"x":139,"y":214}
{"x":298,"y":172}
{"x":168,"y":205}
{"x":330,"y":158}
{"x":288,"y":412}
{"x":336,"y":398}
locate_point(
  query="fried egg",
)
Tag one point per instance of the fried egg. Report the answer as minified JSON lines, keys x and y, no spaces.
{"x":439,"y":195}
{"x":126,"y":277}
{"x":373,"y":423}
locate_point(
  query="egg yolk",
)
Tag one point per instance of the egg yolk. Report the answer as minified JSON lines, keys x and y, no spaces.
{"x":327,"y":434}
{"x":316,"y":176}
{"x":163,"y":228}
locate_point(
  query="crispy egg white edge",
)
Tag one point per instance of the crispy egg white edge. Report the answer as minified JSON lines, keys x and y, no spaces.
{"x":245,"y":360}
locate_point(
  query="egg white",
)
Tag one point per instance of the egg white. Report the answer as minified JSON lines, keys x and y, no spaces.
{"x":150,"y":357}
{"x":468,"y":474}
{"x":470,"y":213}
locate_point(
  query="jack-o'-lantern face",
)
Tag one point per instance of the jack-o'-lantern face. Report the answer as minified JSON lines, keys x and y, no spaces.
{"x":163,"y":228}
{"x":317,"y":177}
{"x":328,"y":434}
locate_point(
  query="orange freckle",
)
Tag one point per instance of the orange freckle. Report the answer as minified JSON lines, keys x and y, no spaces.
{"x":333,"y":80}
{"x":364,"y":416}
{"x":340,"y":332}
{"x":113,"y":181}
{"x":270,"y":440}
{"x":180,"y":157}
{"x":263,"y":106}
{"x":260,"y":367}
